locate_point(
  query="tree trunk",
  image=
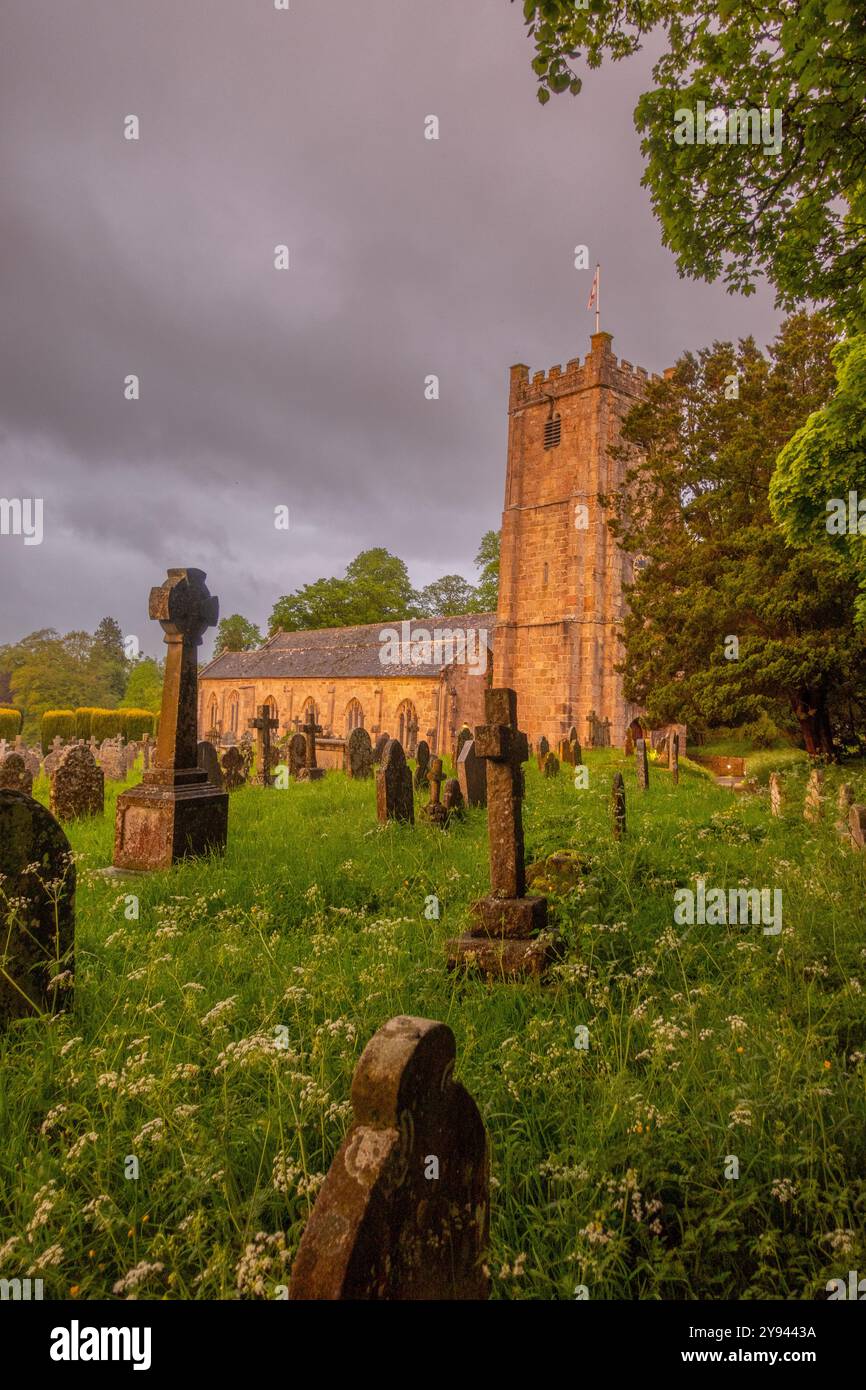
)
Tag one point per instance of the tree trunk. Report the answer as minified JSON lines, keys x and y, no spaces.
{"x":810,"y":710}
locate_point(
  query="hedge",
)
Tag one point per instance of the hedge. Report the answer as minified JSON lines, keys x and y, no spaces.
{"x":57,"y":723}
{"x":137,"y":723}
{"x":10,"y":721}
{"x":106,"y":723}
{"x":83,"y":718}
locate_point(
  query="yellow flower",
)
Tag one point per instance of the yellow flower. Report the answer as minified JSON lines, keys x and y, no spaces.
{"x":144,"y":1218}
{"x":131,"y":1231}
{"x":827,"y":1066}
{"x":739,"y":1049}
{"x":91,"y":1254}
{"x":74,"y":1290}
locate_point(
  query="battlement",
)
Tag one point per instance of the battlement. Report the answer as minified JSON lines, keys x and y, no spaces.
{"x":599,"y":367}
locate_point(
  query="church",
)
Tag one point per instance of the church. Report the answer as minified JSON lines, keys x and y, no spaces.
{"x":554,"y":637}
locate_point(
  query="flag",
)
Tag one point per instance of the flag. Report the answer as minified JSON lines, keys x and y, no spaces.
{"x":594,"y":291}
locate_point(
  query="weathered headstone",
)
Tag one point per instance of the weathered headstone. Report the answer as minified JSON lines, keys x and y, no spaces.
{"x":576,"y":752}
{"x":508,"y":935}
{"x":394,"y":797}
{"x":542,"y":748}
{"x":452,"y":800}
{"x":78,"y":785}
{"x":265,"y":724}
{"x":857,"y":825}
{"x":233,"y":768}
{"x":37,"y":909}
{"x":674,"y":758}
{"x":775,"y":794}
{"x":463,"y":736}
{"x":403,"y":1214}
{"x":565,"y":751}
{"x":208,"y":758}
{"x":297,"y":754}
{"x":174,"y":811}
{"x":814,"y":795}
{"x":472,"y":775}
{"x":146,"y":751}
{"x":359,"y":754}
{"x":310,"y":772}
{"x":434,"y":810}
{"x":14,"y":774}
{"x":642,"y":764}
{"x":617,"y":806}
{"x":550,"y":766}
{"x":422,"y":764}
{"x":845,"y":799}
{"x":381,"y":744}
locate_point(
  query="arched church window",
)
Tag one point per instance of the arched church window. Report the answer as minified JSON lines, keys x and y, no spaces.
{"x":271,"y":704}
{"x":407,"y":722}
{"x":354,"y":716}
{"x":234,"y":711}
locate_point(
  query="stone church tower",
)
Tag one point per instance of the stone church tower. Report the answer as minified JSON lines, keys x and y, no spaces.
{"x":561,"y":572}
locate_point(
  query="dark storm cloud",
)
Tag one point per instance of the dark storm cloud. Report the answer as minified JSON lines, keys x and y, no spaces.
{"x":260,"y":387}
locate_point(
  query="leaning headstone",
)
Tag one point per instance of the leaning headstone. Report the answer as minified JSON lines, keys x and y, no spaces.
{"x":208,"y":758}
{"x":642,"y":764}
{"x":403,"y":1214}
{"x":674,"y":758}
{"x":233,"y":768}
{"x":297,"y":754}
{"x":508,"y":935}
{"x":174,"y":811}
{"x":37,"y":909}
{"x":542,"y":748}
{"x":359,"y":754}
{"x":814,"y":795}
{"x":550,"y":766}
{"x":14,"y":774}
{"x":381,"y":744}
{"x":857,"y":825}
{"x":472,"y":775}
{"x":422,"y":764}
{"x":394,"y":797}
{"x":617,"y":806}
{"x":78,"y":785}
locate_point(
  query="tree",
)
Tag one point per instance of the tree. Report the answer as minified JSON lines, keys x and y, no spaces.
{"x":144,"y":687}
{"x":375,"y":589}
{"x":795,"y":212}
{"x":487,"y":561}
{"x":47,"y":671}
{"x":108,"y":656}
{"x":726,"y":621}
{"x":446,"y":597}
{"x":236,"y":634}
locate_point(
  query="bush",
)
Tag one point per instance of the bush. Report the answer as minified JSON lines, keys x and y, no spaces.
{"x":106,"y":723}
{"x":10,"y":721}
{"x":83,"y":718}
{"x":137,"y":723}
{"x":57,"y":722}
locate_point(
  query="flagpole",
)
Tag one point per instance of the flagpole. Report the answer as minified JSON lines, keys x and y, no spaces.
{"x":597,"y":292}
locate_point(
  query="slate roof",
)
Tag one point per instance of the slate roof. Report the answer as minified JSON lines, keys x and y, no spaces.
{"x":345,"y":652}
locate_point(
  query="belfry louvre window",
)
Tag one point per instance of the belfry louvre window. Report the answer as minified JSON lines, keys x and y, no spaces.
{"x":552,"y":432}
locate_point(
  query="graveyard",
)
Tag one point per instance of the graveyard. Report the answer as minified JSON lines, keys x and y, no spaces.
{"x":222,"y":1006}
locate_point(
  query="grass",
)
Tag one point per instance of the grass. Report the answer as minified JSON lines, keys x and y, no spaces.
{"x":706,"y":1044}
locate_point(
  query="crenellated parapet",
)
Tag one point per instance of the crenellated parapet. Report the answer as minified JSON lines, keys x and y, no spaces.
{"x":600,"y":367}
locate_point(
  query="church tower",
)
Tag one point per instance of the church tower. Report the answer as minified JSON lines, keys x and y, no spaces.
{"x":561,"y":572}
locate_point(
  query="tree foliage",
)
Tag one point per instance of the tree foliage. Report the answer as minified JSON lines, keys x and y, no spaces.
{"x":236,"y":634}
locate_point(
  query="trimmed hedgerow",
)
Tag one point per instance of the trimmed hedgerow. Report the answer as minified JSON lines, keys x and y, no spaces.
{"x":57,"y":722}
{"x":106,"y":723}
{"x":137,"y":723}
{"x":83,"y":717}
{"x":10,"y":721}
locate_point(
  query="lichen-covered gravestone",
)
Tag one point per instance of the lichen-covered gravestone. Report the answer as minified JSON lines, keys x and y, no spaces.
{"x":422,"y":765}
{"x":403,"y":1214}
{"x":434,"y":810}
{"x":78,"y":785}
{"x":642,"y":764}
{"x":359,"y":754}
{"x":15,"y":775}
{"x":37,"y":910}
{"x":472,"y":775}
{"x":617,"y":806}
{"x":207,"y":757}
{"x":394,"y":798}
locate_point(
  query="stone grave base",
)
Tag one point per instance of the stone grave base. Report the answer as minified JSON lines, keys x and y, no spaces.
{"x":508,"y":917}
{"x":158,"y":825}
{"x":311,"y":774}
{"x":503,"y":958}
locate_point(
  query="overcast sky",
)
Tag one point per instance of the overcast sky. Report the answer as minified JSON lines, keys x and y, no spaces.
{"x":305,"y":387}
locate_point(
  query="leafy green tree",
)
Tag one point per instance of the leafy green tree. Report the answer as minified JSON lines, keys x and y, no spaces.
{"x":236,"y":634}
{"x":487,"y":561}
{"x":375,"y":588}
{"x":108,"y":657}
{"x":47,"y":671}
{"x":144,"y":687}
{"x":711,"y":565}
{"x":446,"y":597}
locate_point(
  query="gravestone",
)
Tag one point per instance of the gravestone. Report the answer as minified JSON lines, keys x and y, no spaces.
{"x":14,"y":774}
{"x":845,"y":799}
{"x":814,"y":795}
{"x":434,"y":810}
{"x":233,"y":768}
{"x":422,"y":764}
{"x":37,"y":909}
{"x":472,"y":775}
{"x":208,"y":758}
{"x":394,"y":798}
{"x":508,"y":934}
{"x":403,"y":1214}
{"x":359,"y":754}
{"x":78,"y":785}
{"x":297,"y":754}
{"x":264,"y":725}
{"x":576,"y":752}
{"x":674,"y":758}
{"x":542,"y":748}
{"x":628,"y":749}
{"x":49,"y":763}
{"x":310,"y":772}
{"x":642,"y":762}
{"x":463,"y":737}
{"x":174,"y":811}
{"x":32,"y":762}
{"x":146,"y":750}
{"x":775,"y":794}
{"x":452,"y":800}
{"x":381,"y":744}
{"x":550,"y":766}
{"x":617,"y":806}
{"x":857,"y":825}
{"x":565,"y":752}
{"x":112,"y":760}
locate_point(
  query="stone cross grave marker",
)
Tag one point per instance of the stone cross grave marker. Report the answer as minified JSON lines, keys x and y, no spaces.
{"x":814,"y":795}
{"x":642,"y":764}
{"x":502,"y":940}
{"x":208,"y":758}
{"x":472,"y":775}
{"x":617,"y":806}
{"x":403,"y":1214}
{"x":78,"y":785}
{"x":264,"y":724}
{"x":359,"y":754}
{"x":37,"y":910}
{"x":674,"y":758}
{"x":422,"y":764}
{"x":394,"y":797}
{"x":174,"y":812}
{"x":434,"y":810}
{"x":234,"y":769}
{"x":15,"y":775}
{"x":310,"y":772}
